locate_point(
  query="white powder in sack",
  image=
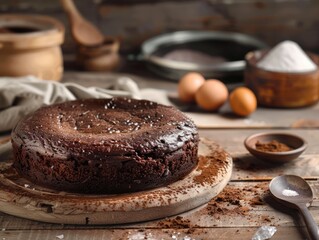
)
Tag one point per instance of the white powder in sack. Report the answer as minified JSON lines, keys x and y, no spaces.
{"x":287,"y":56}
{"x":289,"y":193}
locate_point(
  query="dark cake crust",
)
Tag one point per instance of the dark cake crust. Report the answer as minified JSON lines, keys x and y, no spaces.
{"x":108,"y":146}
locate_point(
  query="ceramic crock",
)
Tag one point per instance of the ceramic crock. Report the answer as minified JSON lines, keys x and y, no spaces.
{"x":31,"y":45}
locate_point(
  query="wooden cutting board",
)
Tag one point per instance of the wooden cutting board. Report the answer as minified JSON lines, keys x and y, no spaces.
{"x":22,"y":198}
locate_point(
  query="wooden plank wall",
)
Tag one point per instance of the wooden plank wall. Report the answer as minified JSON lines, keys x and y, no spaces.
{"x":136,"y":20}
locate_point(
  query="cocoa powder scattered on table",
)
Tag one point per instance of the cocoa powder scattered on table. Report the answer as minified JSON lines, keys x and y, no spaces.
{"x":234,"y":201}
{"x":177,"y":222}
{"x":228,"y":202}
{"x":272,"y":146}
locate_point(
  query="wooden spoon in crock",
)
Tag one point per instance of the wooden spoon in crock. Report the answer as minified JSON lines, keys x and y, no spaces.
{"x":83,"y":32}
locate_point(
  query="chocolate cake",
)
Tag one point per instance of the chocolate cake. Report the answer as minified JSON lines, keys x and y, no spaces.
{"x":105,"y":146}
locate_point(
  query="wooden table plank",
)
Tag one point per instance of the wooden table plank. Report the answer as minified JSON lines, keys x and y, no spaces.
{"x":247,"y":167}
{"x":240,"y":204}
{"x":291,"y":233}
{"x":232,"y":140}
{"x":105,"y":79}
{"x":262,"y":118}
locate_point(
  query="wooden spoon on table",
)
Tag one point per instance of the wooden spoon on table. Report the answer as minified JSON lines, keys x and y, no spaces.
{"x":83,"y":32}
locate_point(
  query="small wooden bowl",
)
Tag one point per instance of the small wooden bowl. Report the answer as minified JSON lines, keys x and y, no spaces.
{"x":278,"y":89}
{"x":298,"y":144}
{"x":104,"y":57}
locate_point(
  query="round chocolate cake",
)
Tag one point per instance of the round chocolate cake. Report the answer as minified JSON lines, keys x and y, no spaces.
{"x":106,"y":146}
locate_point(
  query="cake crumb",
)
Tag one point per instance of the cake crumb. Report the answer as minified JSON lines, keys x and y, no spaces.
{"x":60,"y":236}
{"x":256,"y":201}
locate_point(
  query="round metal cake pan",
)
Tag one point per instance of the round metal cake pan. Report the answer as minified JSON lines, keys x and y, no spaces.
{"x":227,"y":51}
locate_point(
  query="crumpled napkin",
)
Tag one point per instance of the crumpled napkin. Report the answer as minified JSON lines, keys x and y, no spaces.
{"x":21,"y":96}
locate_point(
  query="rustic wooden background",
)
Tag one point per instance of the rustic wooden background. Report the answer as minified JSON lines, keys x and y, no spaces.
{"x":136,"y":20}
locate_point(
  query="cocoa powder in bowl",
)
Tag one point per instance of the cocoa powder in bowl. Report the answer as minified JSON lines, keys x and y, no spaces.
{"x":271,"y":146}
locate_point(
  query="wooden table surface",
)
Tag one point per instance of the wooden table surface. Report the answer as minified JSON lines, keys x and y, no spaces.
{"x":239,"y":210}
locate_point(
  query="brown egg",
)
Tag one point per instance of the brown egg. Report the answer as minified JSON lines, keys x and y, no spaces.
{"x":188,"y":85}
{"x":243,"y":101}
{"x":211,"y":95}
